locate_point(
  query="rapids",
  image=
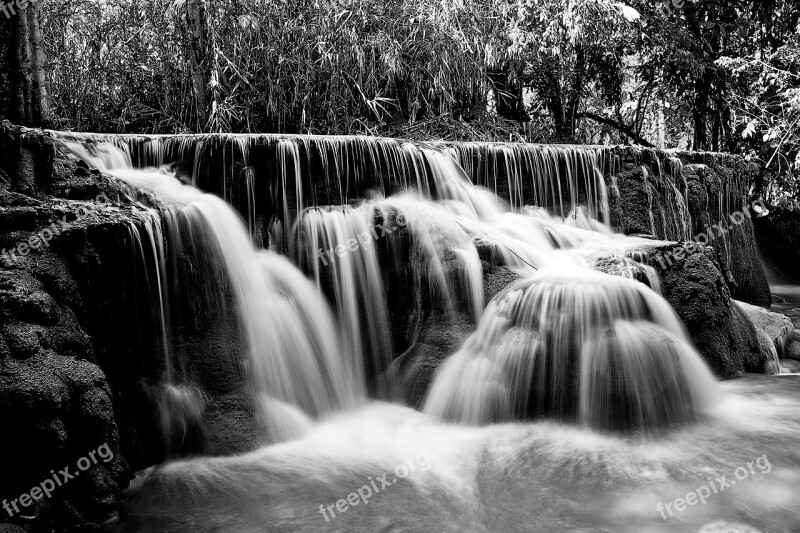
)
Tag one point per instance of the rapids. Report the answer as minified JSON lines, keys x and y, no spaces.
{"x":540,"y":476}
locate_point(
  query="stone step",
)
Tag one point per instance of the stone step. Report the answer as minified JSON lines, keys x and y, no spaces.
{"x":777,"y":326}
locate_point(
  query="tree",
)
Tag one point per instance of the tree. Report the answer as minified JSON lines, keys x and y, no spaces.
{"x":562,"y":50}
{"x":23,"y":93}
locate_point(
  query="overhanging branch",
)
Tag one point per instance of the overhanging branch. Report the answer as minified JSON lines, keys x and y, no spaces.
{"x":627,"y":130}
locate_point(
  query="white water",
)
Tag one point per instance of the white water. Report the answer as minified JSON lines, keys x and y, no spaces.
{"x":505,"y":478}
{"x":575,"y":344}
{"x":525,"y":357}
{"x":566,"y":343}
{"x":295,"y":363}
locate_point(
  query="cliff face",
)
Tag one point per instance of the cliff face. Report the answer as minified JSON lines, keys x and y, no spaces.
{"x":81,"y":362}
{"x":703,"y":198}
{"x":60,"y":272}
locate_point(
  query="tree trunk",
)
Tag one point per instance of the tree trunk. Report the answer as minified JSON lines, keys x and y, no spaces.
{"x":197,"y":59}
{"x":700,"y":112}
{"x":700,"y":136}
{"x":575,"y":95}
{"x":622,"y":128}
{"x":23,"y":96}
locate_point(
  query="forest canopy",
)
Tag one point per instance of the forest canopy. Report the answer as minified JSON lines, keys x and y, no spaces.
{"x":702,"y":75}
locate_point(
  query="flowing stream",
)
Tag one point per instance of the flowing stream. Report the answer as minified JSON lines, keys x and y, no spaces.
{"x":577,"y":403}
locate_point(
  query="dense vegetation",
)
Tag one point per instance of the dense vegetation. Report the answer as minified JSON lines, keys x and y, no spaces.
{"x":706,"y":74}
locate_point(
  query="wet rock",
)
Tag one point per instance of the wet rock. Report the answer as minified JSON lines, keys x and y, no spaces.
{"x":496,"y":279}
{"x":792,"y":366}
{"x":22,"y":295}
{"x":793,"y":350}
{"x":696,"y":289}
{"x":231,"y":425}
{"x":778,"y":328}
{"x":720,"y":330}
{"x":734,"y":239}
{"x":22,"y":339}
{"x":54,"y":399}
{"x":646,"y":197}
{"x":59,"y":409}
{"x":440,"y":337}
{"x":80,"y":349}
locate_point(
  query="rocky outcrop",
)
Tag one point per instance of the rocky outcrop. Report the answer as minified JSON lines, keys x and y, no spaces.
{"x":413,"y":372}
{"x":81,"y":362}
{"x":28,"y":158}
{"x":720,"y":330}
{"x":701,"y":197}
{"x":695,"y":287}
{"x":776,"y":327}
{"x":439,"y":335}
{"x":56,"y":405}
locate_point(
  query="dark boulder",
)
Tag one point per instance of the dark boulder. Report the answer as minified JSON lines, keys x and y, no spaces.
{"x":440,"y":335}
{"x":706,"y":199}
{"x":55,"y":408}
{"x":81,"y":360}
{"x":694,"y":285}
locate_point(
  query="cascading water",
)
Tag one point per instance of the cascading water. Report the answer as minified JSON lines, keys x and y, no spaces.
{"x":339,"y":247}
{"x":305,"y":171}
{"x":639,"y":375}
{"x":542,"y":175}
{"x":566,"y":349}
{"x":356,"y":280}
{"x":294,"y":357}
{"x":180,"y":406}
{"x":572,"y":344}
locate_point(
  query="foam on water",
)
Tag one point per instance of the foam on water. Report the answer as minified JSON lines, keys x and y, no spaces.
{"x":558,"y":363}
{"x":575,"y":345}
{"x":500,"y":478}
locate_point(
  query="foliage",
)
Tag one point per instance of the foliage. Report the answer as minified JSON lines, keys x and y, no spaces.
{"x":768,"y":115}
{"x":713,"y":74}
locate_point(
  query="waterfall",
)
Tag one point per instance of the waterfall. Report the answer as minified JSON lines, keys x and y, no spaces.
{"x":280,"y":175}
{"x":542,"y":175}
{"x":342,"y":242}
{"x":375,"y":220}
{"x":573,"y":344}
{"x":294,"y":360}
